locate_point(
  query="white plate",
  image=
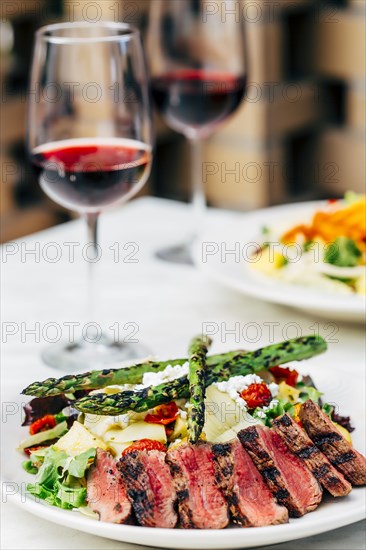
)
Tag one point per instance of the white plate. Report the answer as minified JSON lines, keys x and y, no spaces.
{"x":222,"y":251}
{"x":331,"y":514}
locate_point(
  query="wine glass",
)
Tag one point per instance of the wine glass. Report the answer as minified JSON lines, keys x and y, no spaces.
{"x":90,"y":141}
{"x":197,"y":58}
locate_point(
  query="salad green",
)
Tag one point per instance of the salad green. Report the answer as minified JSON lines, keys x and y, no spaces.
{"x":343,"y":252}
{"x":60,"y":480}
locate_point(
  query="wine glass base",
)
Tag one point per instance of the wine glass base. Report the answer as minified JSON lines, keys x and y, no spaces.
{"x":178,"y":254}
{"x":82,"y":356}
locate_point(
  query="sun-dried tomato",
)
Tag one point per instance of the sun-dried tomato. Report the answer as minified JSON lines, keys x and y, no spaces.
{"x":257,"y":395}
{"x":163,"y":414}
{"x":45,"y":423}
{"x":145,"y":445}
{"x":29,"y":450}
{"x":284,"y":374}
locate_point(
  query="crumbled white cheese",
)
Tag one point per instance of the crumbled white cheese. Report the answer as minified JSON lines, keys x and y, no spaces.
{"x":273,"y":388}
{"x":235,"y":385}
{"x":183,"y":414}
{"x":271,"y":406}
{"x":167,"y":375}
{"x":261,"y":413}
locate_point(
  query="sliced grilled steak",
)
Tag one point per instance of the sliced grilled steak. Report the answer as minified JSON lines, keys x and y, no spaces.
{"x":150,"y":488}
{"x":330,"y":441}
{"x":201,"y":503}
{"x":300,"y":444}
{"x":106,"y":493}
{"x":286,"y":475}
{"x":250,"y":501}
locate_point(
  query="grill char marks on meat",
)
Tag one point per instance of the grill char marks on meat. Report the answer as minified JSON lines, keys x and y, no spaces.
{"x":150,"y":488}
{"x":300,"y":444}
{"x":250,"y":501}
{"x":286,"y":476}
{"x":329,"y":440}
{"x":201,"y":503}
{"x":106,"y":493}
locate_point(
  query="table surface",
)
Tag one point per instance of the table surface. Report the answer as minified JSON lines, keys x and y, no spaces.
{"x":166,"y":303}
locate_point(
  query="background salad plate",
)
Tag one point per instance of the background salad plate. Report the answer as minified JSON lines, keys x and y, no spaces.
{"x":223,"y":253}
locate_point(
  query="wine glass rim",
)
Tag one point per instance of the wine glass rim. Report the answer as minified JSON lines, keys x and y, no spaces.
{"x":128,"y":30}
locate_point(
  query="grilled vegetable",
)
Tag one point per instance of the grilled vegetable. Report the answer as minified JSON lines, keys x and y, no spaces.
{"x":163,"y":414}
{"x":78,"y":440}
{"x":135,"y":432}
{"x":240,"y":363}
{"x":284,"y":374}
{"x":42,"y":437}
{"x":47,"y":422}
{"x":101,"y":378}
{"x":145,"y":445}
{"x":196,"y":377}
{"x":256,"y":395}
{"x":224,"y":416}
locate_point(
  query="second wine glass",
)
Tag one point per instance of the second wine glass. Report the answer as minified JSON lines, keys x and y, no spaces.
{"x":197,"y":61}
{"x":90,"y":142}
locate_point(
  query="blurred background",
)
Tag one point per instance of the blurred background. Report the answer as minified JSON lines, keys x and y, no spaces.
{"x":299,"y":134}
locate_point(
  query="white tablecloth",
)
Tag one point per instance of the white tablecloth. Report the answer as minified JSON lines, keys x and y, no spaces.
{"x":167,"y":303}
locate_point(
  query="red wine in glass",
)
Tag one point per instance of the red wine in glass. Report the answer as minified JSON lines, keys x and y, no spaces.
{"x":90,"y":154}
{"x":90,"y":174}
{"x":197,"y":100}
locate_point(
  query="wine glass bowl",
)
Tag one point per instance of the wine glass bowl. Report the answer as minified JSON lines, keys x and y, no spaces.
{"x":88,"y":136}
{"x":196,"y":102}
{"x":89,"y":140}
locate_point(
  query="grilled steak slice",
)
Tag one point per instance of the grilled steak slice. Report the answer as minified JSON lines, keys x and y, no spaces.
{"x":300,"y":444}
{"x":286,"y":475}
{"x":201,"y":503}
{"x":150,"y":488}
{"x":250,"y":501}
{"x":106,"y":493}
{"x":329,"y":440}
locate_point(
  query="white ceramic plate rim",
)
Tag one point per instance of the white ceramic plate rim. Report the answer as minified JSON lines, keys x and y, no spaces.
{"x":190,"y":538}
{"x":241,"y":277}
{"x":330,"y":515}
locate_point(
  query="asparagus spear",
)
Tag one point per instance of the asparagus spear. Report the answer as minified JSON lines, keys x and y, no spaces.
{"x":197,"y":390}
{"x":99,"y":379}
{"x":240,"y":363}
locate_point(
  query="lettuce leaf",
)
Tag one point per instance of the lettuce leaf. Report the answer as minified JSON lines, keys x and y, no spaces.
{"x":79,"y":463}
{"x":328,"y":409}
{"x":350,"y":197}
{"x":343,"y":252}
{"x":71,"y":495}
{"x":61,"y":479}
{"x":309,"y":392}
{"x":268,"y":414}
{"x":29,"y":467}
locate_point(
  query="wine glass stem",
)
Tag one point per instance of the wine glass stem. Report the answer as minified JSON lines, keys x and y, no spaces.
{"x":198,"y":194}
{"x":92,"y":225}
